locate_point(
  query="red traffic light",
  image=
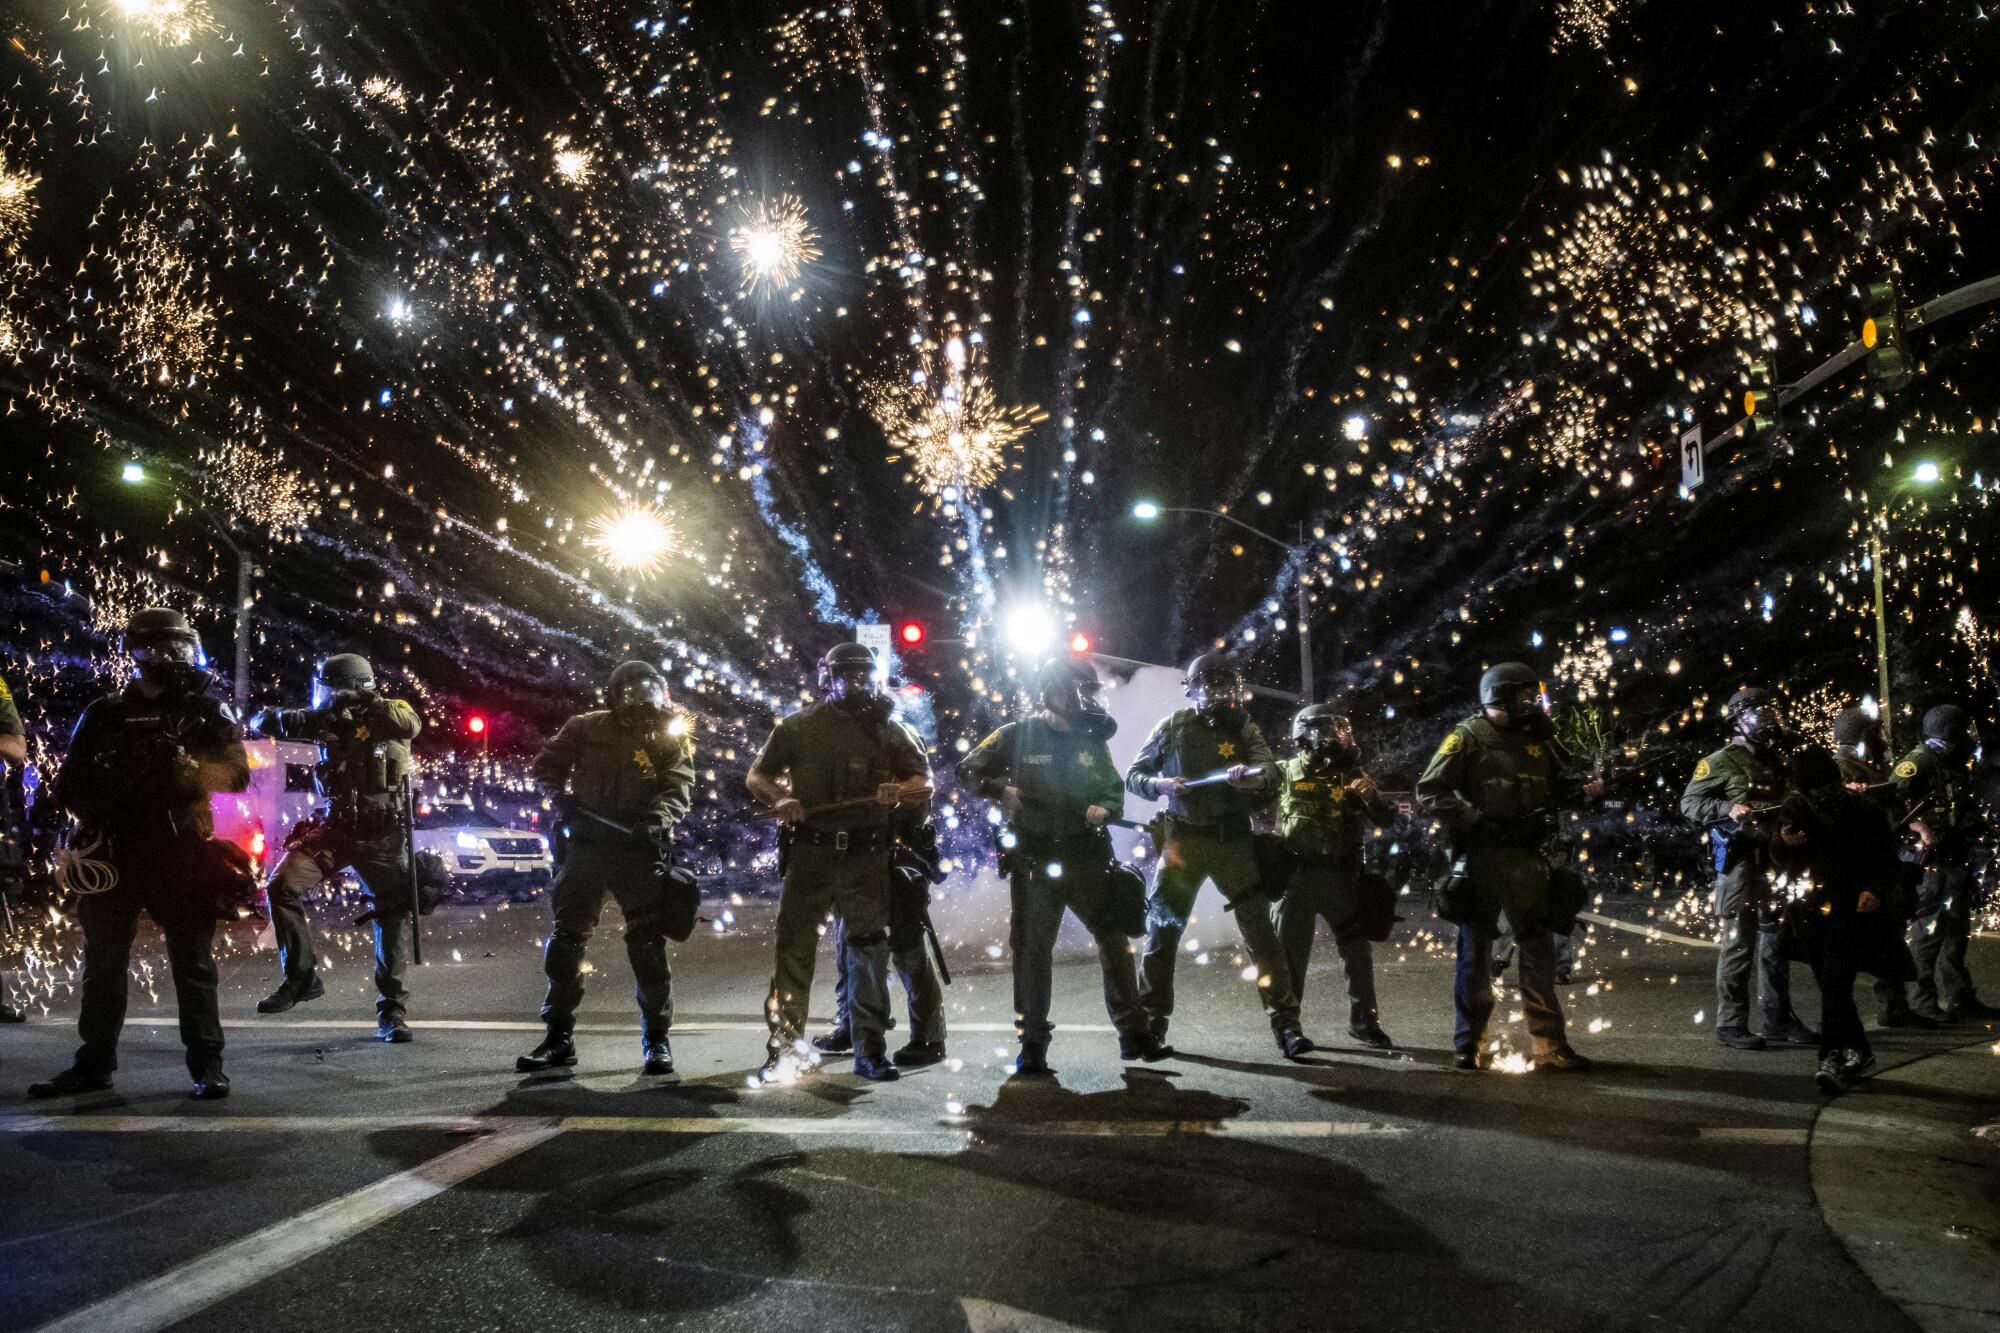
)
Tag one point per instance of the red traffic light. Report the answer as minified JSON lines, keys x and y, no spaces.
{"x":911,"y":634}
{"x":1079,"y":643}
{"x":476,"y":724}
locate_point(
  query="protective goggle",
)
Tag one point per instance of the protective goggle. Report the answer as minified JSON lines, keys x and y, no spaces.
{"x":178,"y":651}
{"x":640,"y":694}
{"x":1334,"y":730}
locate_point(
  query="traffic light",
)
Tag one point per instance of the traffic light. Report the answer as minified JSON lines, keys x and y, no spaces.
{"x":1882,"y":334}
{"x":911,"y":634}
{"x":1760,"y":402}
{"x":1080,"y":644}
{"x":476,"y":724}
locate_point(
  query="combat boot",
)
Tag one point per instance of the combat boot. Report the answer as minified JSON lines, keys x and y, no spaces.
{"x":292,"y":993}
{"x":558,"y":1050}
{"x":875,"y":1067}
{"x":659,"y":1055}
{"x":70,"y":1082}
{"x":1292,"y":1043}
{"x":917,"y":1054}
{"x":1738,"y":1039}
{"x":834,"y":1041}
{"x":210,"y":1085}
{"x":1854,"y":1066}
{"x":1972,"y":1009}
{"x":1469,"y":1060}
{"x":1143,"y":1045}
{"x":1563,"y":1060}
{"x":1033,"y":1061}
{"x":1908,"y":1018}
{"x":393,"y":1028}
{"x":1828,"y":1077}
{"x":1369,"y":1033}
{"x":1789,"y":1030}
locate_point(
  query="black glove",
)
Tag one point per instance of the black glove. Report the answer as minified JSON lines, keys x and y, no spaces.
{"x":654,"y":833}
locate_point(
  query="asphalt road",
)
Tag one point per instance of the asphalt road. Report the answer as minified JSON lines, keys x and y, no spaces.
{"x":351,"y":1185}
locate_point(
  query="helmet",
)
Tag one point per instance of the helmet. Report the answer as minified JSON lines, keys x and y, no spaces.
{"x":1952,"y":728}
{"x":637,"y":693}
{"x":1858,"y":730}
{"x":1753,"y":714}
{"x":166,"y":650}
{"x":1514,"y":687}
{"x":347,"y":673}
{"x":1214,"y":684}
{"x":1324,"y":729}
{"x":847,"y":672}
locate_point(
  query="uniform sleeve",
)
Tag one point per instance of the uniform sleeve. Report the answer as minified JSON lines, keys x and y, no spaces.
{"x":1381,"y":811}
{"x":1257,"y":754}
{"x":987,"y":769}
{"x":1913,"y":788}
{"x":557,"y":759}
{"x":1717,"y":785}
{"x":1442,"y":788}
{"x":221,"y":762}
{"x":394,"y":720}
{"x":1145,"y":766}
{"x":779,"y":753}
{"x":906,"y":754}
{"x":79,"y":784}
{"x":10,"y":714}
{"x":289,"y":724}
{"x":676,"y":795}
{"x":1105,"y":788}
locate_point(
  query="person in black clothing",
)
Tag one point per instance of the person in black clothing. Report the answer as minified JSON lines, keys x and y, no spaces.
{"x":1844,"y":926}
{"x":142,"y":764}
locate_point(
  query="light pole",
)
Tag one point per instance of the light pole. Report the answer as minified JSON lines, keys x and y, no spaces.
{"x":1146,"y":511}
{"x":134,"y":474}
{"x":1924,"y":474}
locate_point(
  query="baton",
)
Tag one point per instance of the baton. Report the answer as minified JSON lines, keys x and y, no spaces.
{"x":936,"y":947}
{"x":1221,"y":778}
{"x":824,"y":809}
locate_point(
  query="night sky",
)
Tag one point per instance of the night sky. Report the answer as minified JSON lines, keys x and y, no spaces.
{"x":412,"y":294}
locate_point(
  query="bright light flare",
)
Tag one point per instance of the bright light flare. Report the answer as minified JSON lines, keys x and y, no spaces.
{"x":634,"y":540}
{"x":169,"y":22}
{"x":1145,"y":511}
{"x":17,"y":205}
{"x":573,"y":164}
{"x":1030,"y":629}
{"x":1926,"y":473}
{"x":774,"y":245}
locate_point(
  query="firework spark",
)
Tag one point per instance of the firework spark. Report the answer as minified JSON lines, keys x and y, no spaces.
{"x":167,"y":329}
{"x":17,"y":205}
{"x":169,"y":22}
{"x":952,"y":427}
{"x":774,"y":243}
{"x":573,"y":164}
{"x":635,"y":539}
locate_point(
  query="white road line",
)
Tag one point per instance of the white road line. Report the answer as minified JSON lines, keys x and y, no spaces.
{"x":166,"y":1017}
{"x":831,"y":1126}
{"x":1650,"y":932}
{"x":192,"y":1287}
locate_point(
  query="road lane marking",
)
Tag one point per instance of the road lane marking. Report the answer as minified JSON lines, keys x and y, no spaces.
{"x":181,"y":1292}
{"x":1650,"y":932}
{"x":793,"y":1126}
{"x":1792,"y":1135}
{"x":163,"y":1018}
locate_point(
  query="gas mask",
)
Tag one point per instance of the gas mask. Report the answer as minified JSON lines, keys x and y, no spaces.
{"x":170,"y":665}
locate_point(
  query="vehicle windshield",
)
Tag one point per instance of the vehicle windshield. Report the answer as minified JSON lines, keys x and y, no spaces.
{"x":451,"y":815}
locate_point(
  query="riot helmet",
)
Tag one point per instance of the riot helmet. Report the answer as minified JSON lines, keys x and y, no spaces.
{"x":166,"y":650}
{"x":1858,"y":730}
{"x":637,"y":695}
{"x":1324,"y":731}
{"x":847,"y":675}
{"x":1515,"y":689}
{"x":1950,"y":730}
{"x":1755,"y":716}
{"x":343,"y":673}
{"x":1214,"y":685}
{"x":1069,"y":687}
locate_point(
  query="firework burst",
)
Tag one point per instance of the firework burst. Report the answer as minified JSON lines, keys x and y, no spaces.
{"x":952,"y":428}
{"x":167,"y":328}
{"x":572,"y":164}
{"x":774,"y":244}
{"x":17,"y":205}
{"x":169,"y":22}
{"x":635,"y":539}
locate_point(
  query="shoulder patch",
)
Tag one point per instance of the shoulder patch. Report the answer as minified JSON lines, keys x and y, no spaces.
{"x":1907,"y":769}
{"x":1702,"y":770}
{"x":1453,"y":743}
{"x":6,"y":695}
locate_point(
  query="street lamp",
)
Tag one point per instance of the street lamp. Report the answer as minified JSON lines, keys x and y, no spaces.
{"x":1925,"y":473}
{"x":134,"y":474}
{"x":1147,"y":510}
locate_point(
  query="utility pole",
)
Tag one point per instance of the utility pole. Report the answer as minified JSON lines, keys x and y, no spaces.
{"x":1146,"y":511}
{"x":1882,"y":640}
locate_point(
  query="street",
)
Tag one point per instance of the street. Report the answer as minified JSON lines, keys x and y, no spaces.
{"x":353,"y":1185}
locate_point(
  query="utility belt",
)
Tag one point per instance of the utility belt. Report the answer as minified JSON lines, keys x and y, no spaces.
{"x":858,"y":840}
{"x":1232,"y":826}
{"x":348,"y":819}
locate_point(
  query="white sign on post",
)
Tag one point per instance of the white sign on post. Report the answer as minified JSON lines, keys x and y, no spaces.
{"x":1693,"y":471}
{"x":875,"y":638}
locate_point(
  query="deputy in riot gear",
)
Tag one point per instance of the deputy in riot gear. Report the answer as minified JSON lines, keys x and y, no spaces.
{"x":622,"y":778}
{"x":1858,"y":749}
{"x":1496,"y":783}
{"x":1055,"y":782}
{"x":912,"y":869}
{"x":1326,"y":804}
{"x":362,"y":778}
{"x":1730,"y":796}
{"x":1933,"y":784}
{"x":141,"y":767}
{"x":1207,"y":837}
{"x":834,"y":773}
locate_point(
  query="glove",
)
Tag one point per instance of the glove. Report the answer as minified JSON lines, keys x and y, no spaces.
{"x":654,"y":833}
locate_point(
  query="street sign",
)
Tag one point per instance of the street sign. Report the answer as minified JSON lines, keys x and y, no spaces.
{"x":1693,"y":472}
{"x":875,"y":638}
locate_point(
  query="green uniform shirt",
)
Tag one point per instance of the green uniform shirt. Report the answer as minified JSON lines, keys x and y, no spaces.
{"x":1059,"y":774}
{"x":1492,"y":785}
{"x":1932,"y":788}
{"x":1318,"y":815}
{"x":10,"y":716}
{"x":1186,"y":745}
{"x":833,"y":757}
{"x":1857,"y":771}
{"x":1733,"y":775}
{"x":364,"y":749}
{"x":625,"y":774}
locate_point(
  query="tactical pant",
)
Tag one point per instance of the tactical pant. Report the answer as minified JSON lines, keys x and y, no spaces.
{"x":1038,"y":904}
{"x":383,"y":867}
{"x":160,"y":878}
{"x":1326,"y":889}
{"x":625,"y":870}
{"x":855,"y":887}
{"x":1473,"y":993}
{"x":1186,"y":862}
{"x":1938,"y":936}
{"x":1503,"y":949}
{"x":1749,"y":927}
{"x":922,"y":993}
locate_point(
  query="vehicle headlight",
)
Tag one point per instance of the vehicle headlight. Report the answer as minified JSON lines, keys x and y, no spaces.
{"x":471,"y":842}
{"x":542,"y":842}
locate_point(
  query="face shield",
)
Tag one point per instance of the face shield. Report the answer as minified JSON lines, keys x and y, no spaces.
{"x":642,"y":700}
{"x":169,"y":663}
{"x":1216,"y":690}
{"x":852,"y":683}
{"x":1330,"y":737}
